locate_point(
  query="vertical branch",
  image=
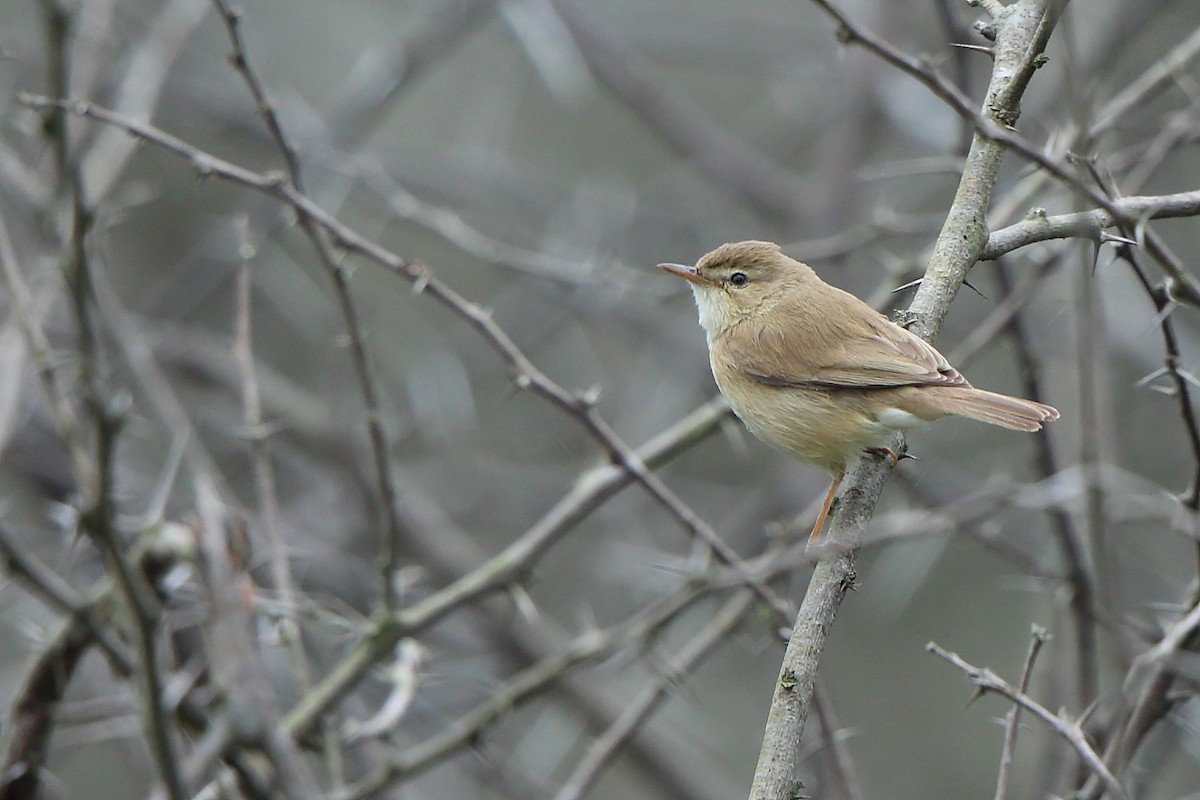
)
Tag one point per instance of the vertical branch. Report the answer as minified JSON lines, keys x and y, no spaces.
{"x":1022,"y":30}
{"x":97,"y":513}
{"x":258,"y":433}
{"x":249,"y":702}
{"x":1012,"y":720}
{"x":367,"y":381}
{"x":1090,"y":352}
{"x":1065,"y":533}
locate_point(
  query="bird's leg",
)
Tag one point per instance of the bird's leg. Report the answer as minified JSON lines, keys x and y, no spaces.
{"x":820,"y":523}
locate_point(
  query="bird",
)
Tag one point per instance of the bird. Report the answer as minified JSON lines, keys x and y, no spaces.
{"x":814,"y":371}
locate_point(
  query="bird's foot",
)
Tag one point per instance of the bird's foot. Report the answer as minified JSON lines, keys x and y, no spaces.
{"x":890,"y":455}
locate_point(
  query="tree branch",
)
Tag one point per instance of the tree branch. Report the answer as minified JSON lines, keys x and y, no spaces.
{"x":1022,"y":32}
{"x":988,"y":681}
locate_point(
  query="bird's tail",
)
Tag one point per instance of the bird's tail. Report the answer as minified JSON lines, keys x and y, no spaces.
{"x":1000,"y":409}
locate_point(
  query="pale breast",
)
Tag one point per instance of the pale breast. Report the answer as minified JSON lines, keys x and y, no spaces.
{"x":826,"y":427}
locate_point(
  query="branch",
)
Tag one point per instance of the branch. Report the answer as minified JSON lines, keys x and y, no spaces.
{"x":579,"y":405}
{"x":1037,"y":227}
{"x":1070,"y":731}
{"x":637,"y":630}
{"x":1022,"y":33}
{"x":1012,"y":722}
{"x":368,"y":383}
{"x":589,"y":491}
{"x":1015,"y":62}
{"x":762,"y":182}
{"x":604,"y":748}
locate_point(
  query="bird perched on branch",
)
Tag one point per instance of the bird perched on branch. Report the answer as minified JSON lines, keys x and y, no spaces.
{"x":817,"y":372}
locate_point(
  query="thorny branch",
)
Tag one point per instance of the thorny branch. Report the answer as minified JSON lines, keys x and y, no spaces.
{"x":1069,"y":730}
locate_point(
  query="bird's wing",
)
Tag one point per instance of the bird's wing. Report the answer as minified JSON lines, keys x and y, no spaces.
{"x":845,"y":343}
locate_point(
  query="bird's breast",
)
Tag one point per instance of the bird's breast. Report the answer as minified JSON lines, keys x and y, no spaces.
{"x":827,"y":427}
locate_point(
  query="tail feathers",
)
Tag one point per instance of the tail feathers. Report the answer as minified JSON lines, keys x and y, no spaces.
{"x":999,"y":409}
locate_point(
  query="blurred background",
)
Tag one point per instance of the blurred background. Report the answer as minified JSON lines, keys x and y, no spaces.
{"x":541,"y":156}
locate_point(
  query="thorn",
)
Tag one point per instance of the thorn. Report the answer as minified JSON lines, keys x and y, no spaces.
{"x":884,"y":452}
{"x":1187,"y":377}
{"x":973,"y":289}
{"x":908,"y":285}
{"x":907,"y":455}
{"x":1153,"y":376}
{"x":1168,"y":308}
{"x":979,"y":48}
{"x":1110,"y":238}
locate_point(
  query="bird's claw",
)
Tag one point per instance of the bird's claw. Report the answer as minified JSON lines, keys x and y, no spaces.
{"x":891,"y":455}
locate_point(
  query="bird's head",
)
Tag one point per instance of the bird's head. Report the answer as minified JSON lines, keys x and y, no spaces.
{"x":736,"y":279}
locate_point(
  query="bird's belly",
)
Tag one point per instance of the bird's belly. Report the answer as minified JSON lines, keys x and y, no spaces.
{"x":823,"y":427}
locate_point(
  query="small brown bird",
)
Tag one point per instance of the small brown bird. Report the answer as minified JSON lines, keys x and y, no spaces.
{"x":817,"y":372}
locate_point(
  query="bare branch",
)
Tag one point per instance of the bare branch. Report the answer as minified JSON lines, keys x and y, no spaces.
{"x":1022,"y":35}
{"x":1038,"y":227}
{"x":1070,"y":731}
{"x":1012,"y":721}
{"x":640,"y":707}
{"x":368,"y":383}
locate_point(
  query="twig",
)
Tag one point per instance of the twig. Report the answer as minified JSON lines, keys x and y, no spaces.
{"x":1012,"y":722}
{"x":257,"y":434}
{"x":638,"y":709}
{"x":995,"y":123}
{"x":146,"y":70}
{"x":233,"y":658}
{"x":1162,"y":299}
{"x":838,"y":755}
{"x":684,"y":128}
{"x":58,"y":594}
{"x":1078,"y":578}
{"x":97,"y":511}
{"x":63,"y":413}
{"x":34,"y":707}
{"x":591,"y":489}
{"x":1037,"y":227}
{"x":367,"y":382}
{"x":1150,"y":82}
{"x":1071,"y":732}
{"x":638,"y":630}
{"x":578,"y":405}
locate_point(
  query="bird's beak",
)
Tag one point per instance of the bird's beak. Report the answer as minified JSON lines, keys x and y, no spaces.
{"x":687,"y":273}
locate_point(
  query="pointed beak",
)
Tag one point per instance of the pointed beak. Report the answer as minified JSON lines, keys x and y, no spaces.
{"x":687,"y":273}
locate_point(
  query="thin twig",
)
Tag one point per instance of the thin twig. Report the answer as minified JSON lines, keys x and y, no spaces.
{"x":838,"y":755}
{"x":1012,"y":722}
{"x":997,"y":128}
{"x":591,"y":489}
{"x":368,"y":383}
{"x":233,"y":658}
{"x":581,"y":406}
{"x":682,"y":127}
{"x":1079,"y":580}
{"x":638,"y":630}
{"x":1070,"y":731}
{"x":638,"y":709}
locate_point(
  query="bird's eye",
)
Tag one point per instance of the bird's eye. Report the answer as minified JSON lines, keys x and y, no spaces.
{"x":739,"y":279}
